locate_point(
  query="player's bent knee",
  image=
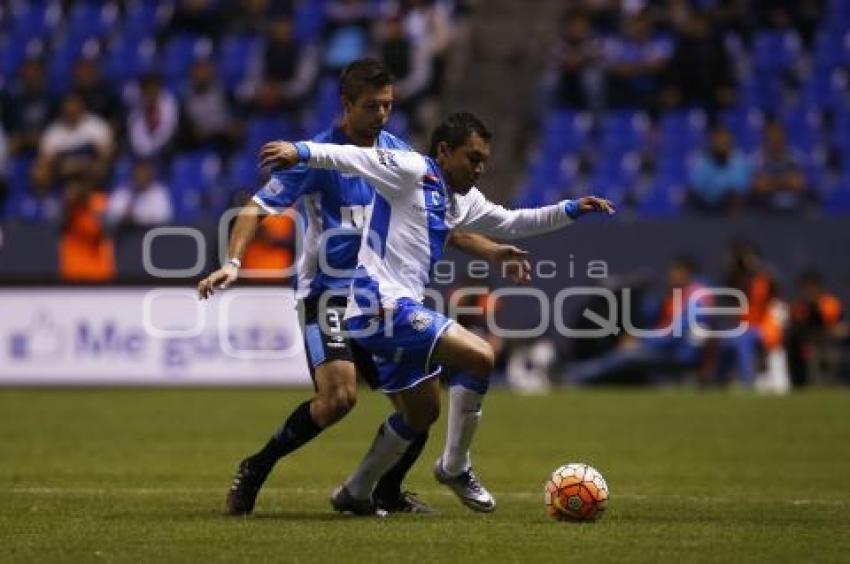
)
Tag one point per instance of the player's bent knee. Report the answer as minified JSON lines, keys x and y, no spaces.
{"x":482,"y":362}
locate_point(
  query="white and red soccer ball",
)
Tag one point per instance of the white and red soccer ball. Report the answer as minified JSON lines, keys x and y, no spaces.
{"x":576,"y":492}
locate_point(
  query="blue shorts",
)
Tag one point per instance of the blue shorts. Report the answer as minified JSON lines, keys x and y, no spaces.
{"x":401,"y":351}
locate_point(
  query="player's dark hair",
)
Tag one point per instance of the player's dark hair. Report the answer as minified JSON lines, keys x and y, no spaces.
{"x":456,"y":129}
{"x":362,"y":74}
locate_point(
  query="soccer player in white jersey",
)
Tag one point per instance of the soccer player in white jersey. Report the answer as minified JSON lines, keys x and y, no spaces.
{"x":419,"y":201}
{"x":330,"y":203}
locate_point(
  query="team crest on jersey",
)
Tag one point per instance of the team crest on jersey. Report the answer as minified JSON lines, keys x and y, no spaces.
{"x":274,"y":186}
{"x":386,"y":158}
{"x":420,"y":320}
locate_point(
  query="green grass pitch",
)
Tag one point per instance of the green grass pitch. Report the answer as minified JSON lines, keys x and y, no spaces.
{"x":141,"y":475}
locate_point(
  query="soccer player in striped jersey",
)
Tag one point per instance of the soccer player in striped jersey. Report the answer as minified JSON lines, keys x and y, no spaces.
{"x":334,"y":207}
{"x":419,"y":201}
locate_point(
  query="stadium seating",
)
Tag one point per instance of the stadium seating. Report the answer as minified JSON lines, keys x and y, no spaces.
{"x":627,"y":154}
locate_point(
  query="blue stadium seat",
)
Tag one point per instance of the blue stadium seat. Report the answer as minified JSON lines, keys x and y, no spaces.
{"x":179,"y":54}
{"x":841,"y":136}
{"x":309,"y":20}
{"x":764,"y":91}
{"x":65,"y":54}
{"x":37,"y":18}
{"x":325,"y":107}
{"x":683,"y":131}
{"x":746,"y":126}
{"x":91,"y":19}
{"x":19,"y":184}
{"x":804,"y":127}
{"x":243,"y":173}
{"x":664,"y":198}
{"x":262,"y":130}
{"x":824,"y":88}
{"x":623,"y":131}
{"x":142,"y":17}
{"x":234,"y":59}
{"x":129,"y":57}
{"x":565,"y":131}
{"x":775,"y":51}
{"x":837,"y":200}
{"x":193,"y":183}
{"x":831,"y":50}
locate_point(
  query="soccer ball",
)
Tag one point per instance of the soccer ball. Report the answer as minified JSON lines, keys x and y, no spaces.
{"x":576,"y":492}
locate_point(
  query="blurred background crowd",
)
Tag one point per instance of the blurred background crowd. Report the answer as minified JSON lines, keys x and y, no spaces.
{"x":122,"y":115}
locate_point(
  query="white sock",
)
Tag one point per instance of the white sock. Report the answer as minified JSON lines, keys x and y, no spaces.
{"x":464,"y":415}
{"x":386,"y":450}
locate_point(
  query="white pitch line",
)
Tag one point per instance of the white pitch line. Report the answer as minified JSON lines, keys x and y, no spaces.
{"x":520,"y":496}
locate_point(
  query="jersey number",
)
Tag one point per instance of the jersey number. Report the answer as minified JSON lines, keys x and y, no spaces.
{"x":333,"y":321}
{"x":352,"y":217}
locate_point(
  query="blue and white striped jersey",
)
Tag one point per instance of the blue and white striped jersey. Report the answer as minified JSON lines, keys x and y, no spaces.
{"x":333,"y":207}
{"x":413,"y":212}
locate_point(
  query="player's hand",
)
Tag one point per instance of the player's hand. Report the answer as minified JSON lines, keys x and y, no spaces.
{"x":218,"y":280}
{"x":278,"y":154}
{"x":514,"y":262}
{"x":591,"y":204}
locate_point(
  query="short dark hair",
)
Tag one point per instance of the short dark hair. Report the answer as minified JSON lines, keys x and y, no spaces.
{"x":456,"y":129}
{"x":365,"y":73}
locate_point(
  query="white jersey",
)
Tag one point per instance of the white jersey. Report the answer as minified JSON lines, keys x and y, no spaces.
{"x":413,"y":212}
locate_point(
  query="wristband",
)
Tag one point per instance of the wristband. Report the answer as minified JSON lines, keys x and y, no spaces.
{"x":572,"y":209}
{"x":303,"y":151}
{"x":234,"y":262}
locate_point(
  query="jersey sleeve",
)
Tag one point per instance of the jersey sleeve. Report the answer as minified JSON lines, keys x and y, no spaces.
{"x":284,"y":188}
{"x":483,"y":216}
{"x":390,"y":171}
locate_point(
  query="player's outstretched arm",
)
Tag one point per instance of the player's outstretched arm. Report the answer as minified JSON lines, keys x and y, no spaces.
{"x":494,"y":220}
{"x":243,"y":233}
{"x":511,"y":260}
{"x":388,"y":170}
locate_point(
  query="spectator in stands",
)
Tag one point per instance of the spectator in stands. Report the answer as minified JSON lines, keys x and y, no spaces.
{"x":801,"y":15}
{"x":270,"y":253}
{"x":779,"y":183}
{"x":86,"y":252}
{"x":720,"y":177}
{"x":143,"y":202}
{"x":815,"y":325}
{"x":429,"y":22}
{"x":280,"y":78}
{"x":99,"y":95}
{"x":78,"y":142}
{"x":410,"y":61}
{"x":251,"y":17}
{"x":26,"y":108}
{"x":577,"y":57}
{"x":207,"y":120}
{"x":676,"y":348}
{"x":700,"y":72}
{"x":765,"y":317}
{"x":346,"y":33}
{"x":634,"y":64}
{"x":153,"y":119}
{"x":196,"y":17}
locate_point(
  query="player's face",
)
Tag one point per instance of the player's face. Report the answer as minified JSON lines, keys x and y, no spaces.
{"x":464,"y":165}
{"x":368,"y":114}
